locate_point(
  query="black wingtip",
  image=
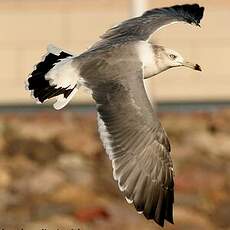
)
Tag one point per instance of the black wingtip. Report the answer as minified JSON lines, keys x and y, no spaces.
{"x":197,"y":12}
{"x":161,"y":208}
{"x":161,"y":224}
{"x":192,"y":12}
{"x":170,"y":219}
{"x":197,"y":67}
{"x":201,"y":14}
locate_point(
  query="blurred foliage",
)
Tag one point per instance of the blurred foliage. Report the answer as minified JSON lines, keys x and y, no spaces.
{"x":54,"y":173}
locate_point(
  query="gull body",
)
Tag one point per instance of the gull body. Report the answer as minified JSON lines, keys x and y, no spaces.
{"x":114,"y":69}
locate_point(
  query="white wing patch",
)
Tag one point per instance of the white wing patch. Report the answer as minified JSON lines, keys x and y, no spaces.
{"x":63,"y":74}
{"x":57,"y":51}
{"x":54,"y":50}
{"x":62,"y":101}
{"x":105,"y":138}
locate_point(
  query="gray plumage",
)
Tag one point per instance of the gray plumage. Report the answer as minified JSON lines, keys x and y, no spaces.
{"x":131,"y":132}
{"x":141,"y":28}
{"x":114,"y":69}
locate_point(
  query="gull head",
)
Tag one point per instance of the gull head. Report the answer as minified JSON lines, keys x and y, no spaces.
{"x":157,"y":59}
{"x":174,"y":59}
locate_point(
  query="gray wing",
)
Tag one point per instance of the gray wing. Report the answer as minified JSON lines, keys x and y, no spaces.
{"x":141,"y":28}
{"x":134,"y":139}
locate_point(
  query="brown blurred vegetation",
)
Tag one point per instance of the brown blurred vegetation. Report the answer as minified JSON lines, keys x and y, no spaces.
{"x":54,"y":173}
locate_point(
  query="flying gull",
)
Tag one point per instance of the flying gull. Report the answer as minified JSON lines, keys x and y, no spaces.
{"x":113,"y":69}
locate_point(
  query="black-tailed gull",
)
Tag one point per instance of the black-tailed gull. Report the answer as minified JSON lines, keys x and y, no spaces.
{"x":114,"y":69}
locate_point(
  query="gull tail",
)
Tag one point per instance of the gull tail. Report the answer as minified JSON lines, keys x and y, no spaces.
{"x":55,"y":76}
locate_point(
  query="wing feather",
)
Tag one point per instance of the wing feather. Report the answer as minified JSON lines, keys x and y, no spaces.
{"x":134,"y":139}
{"x":141,"y":28}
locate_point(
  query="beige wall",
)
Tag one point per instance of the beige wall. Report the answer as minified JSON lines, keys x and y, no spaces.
{"x":27,"y":26}
{"x":209,"y":46}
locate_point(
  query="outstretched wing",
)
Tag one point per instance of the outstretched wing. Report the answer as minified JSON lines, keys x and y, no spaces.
{"x":141,"y":28}
{"x":134,"y":139}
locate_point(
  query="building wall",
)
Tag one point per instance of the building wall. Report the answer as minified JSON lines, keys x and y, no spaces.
{"x":209,"y":46}
{"x":27,"y":26}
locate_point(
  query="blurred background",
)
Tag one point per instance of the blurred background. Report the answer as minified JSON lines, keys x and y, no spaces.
{"x":54,"y":172}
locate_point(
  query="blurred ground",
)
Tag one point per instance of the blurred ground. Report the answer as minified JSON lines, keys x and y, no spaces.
{"x":55,"y":174}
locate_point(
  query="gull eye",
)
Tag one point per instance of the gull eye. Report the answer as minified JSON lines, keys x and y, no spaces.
{"x":172,"y":56}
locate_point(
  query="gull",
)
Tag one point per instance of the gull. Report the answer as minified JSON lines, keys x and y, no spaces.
{"x":114,"y":69}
